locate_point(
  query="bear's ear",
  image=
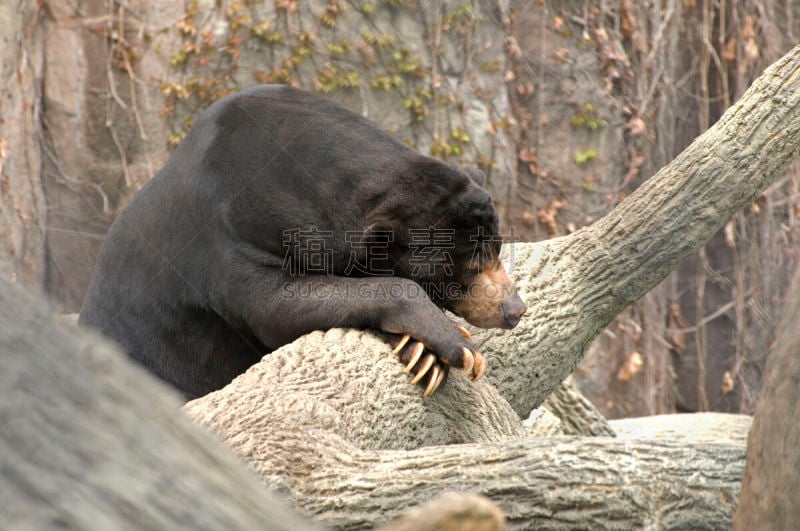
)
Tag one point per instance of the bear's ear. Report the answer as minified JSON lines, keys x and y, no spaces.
{"x":476,"y":175}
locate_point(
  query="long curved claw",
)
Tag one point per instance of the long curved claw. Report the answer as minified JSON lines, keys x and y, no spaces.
{"x":469,"y":361}
{"x":401,"y":344}
{"x":480,"y":366}
{"x":436,"y":375}
{"x":426,"y":365}
{"x":418,"y":350}
{"x":440,"y":379}
{"x":464,"y":332}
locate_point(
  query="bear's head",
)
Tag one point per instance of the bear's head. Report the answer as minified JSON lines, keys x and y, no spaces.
{"x":447,"y":239}
{"x":487,"y":296}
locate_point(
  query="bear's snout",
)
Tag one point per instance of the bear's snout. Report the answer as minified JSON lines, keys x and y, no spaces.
{"x":513,"y":309}
{"x":492,"y":300}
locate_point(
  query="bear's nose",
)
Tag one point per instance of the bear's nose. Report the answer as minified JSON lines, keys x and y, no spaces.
{"x":513,"y":309}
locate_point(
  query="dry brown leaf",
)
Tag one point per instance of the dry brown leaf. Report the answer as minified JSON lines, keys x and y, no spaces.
{"x":528,"y":218}
{"x":3,"y":148}
{"x":547,"y":215}
{"x":631,"y":367}
{"x":727,"y":383}
{"x":675,"y":326}
{"x":525,"y":89}
{"x":289,"y":5}
{"x":729,"y":51}
{"x":749,"y":30}
{"x":512,"y":47}
{"x":635,"y":162}
{"x":560,"y":55}
{"x":751,"y":51}
{"x":628,"y":20}
{"x":636,"y":126}
{"x":527,"y":155}
{"x":730,"y":234}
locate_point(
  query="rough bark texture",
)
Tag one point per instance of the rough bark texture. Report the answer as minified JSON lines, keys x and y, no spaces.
{"x":635,"y":83}
{"x":770,"y":496}
{"x":297,"y":436}
{"x":89,"y":441}
{"x":84,"y":122}
{"x":577,"y":415}
{"x":22,"y":202}
{"x":306,"y":414}
{"x":347,"y":382}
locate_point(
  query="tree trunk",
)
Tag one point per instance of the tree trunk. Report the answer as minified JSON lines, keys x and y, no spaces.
{"x":329,"y":414}
{"x":22,"y":202}
{"x":89,"y":441}
{"x":770,"y":497}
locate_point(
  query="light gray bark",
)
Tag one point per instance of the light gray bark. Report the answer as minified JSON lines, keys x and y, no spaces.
{"x":451,"y":512}
{"x":328,"y":414}
{"x":542,"y":483}
{"x":717,"y":428}
{"x":578,"y":416}
{"x":89,"y":441}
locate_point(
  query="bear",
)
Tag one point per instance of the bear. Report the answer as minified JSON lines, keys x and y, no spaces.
{"x":282,"y":212}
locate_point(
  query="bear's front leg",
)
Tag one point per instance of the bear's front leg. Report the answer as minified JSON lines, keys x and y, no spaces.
{"x":279,"y":308}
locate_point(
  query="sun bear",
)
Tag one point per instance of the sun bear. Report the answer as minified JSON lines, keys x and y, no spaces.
{"x":282,"y":212}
